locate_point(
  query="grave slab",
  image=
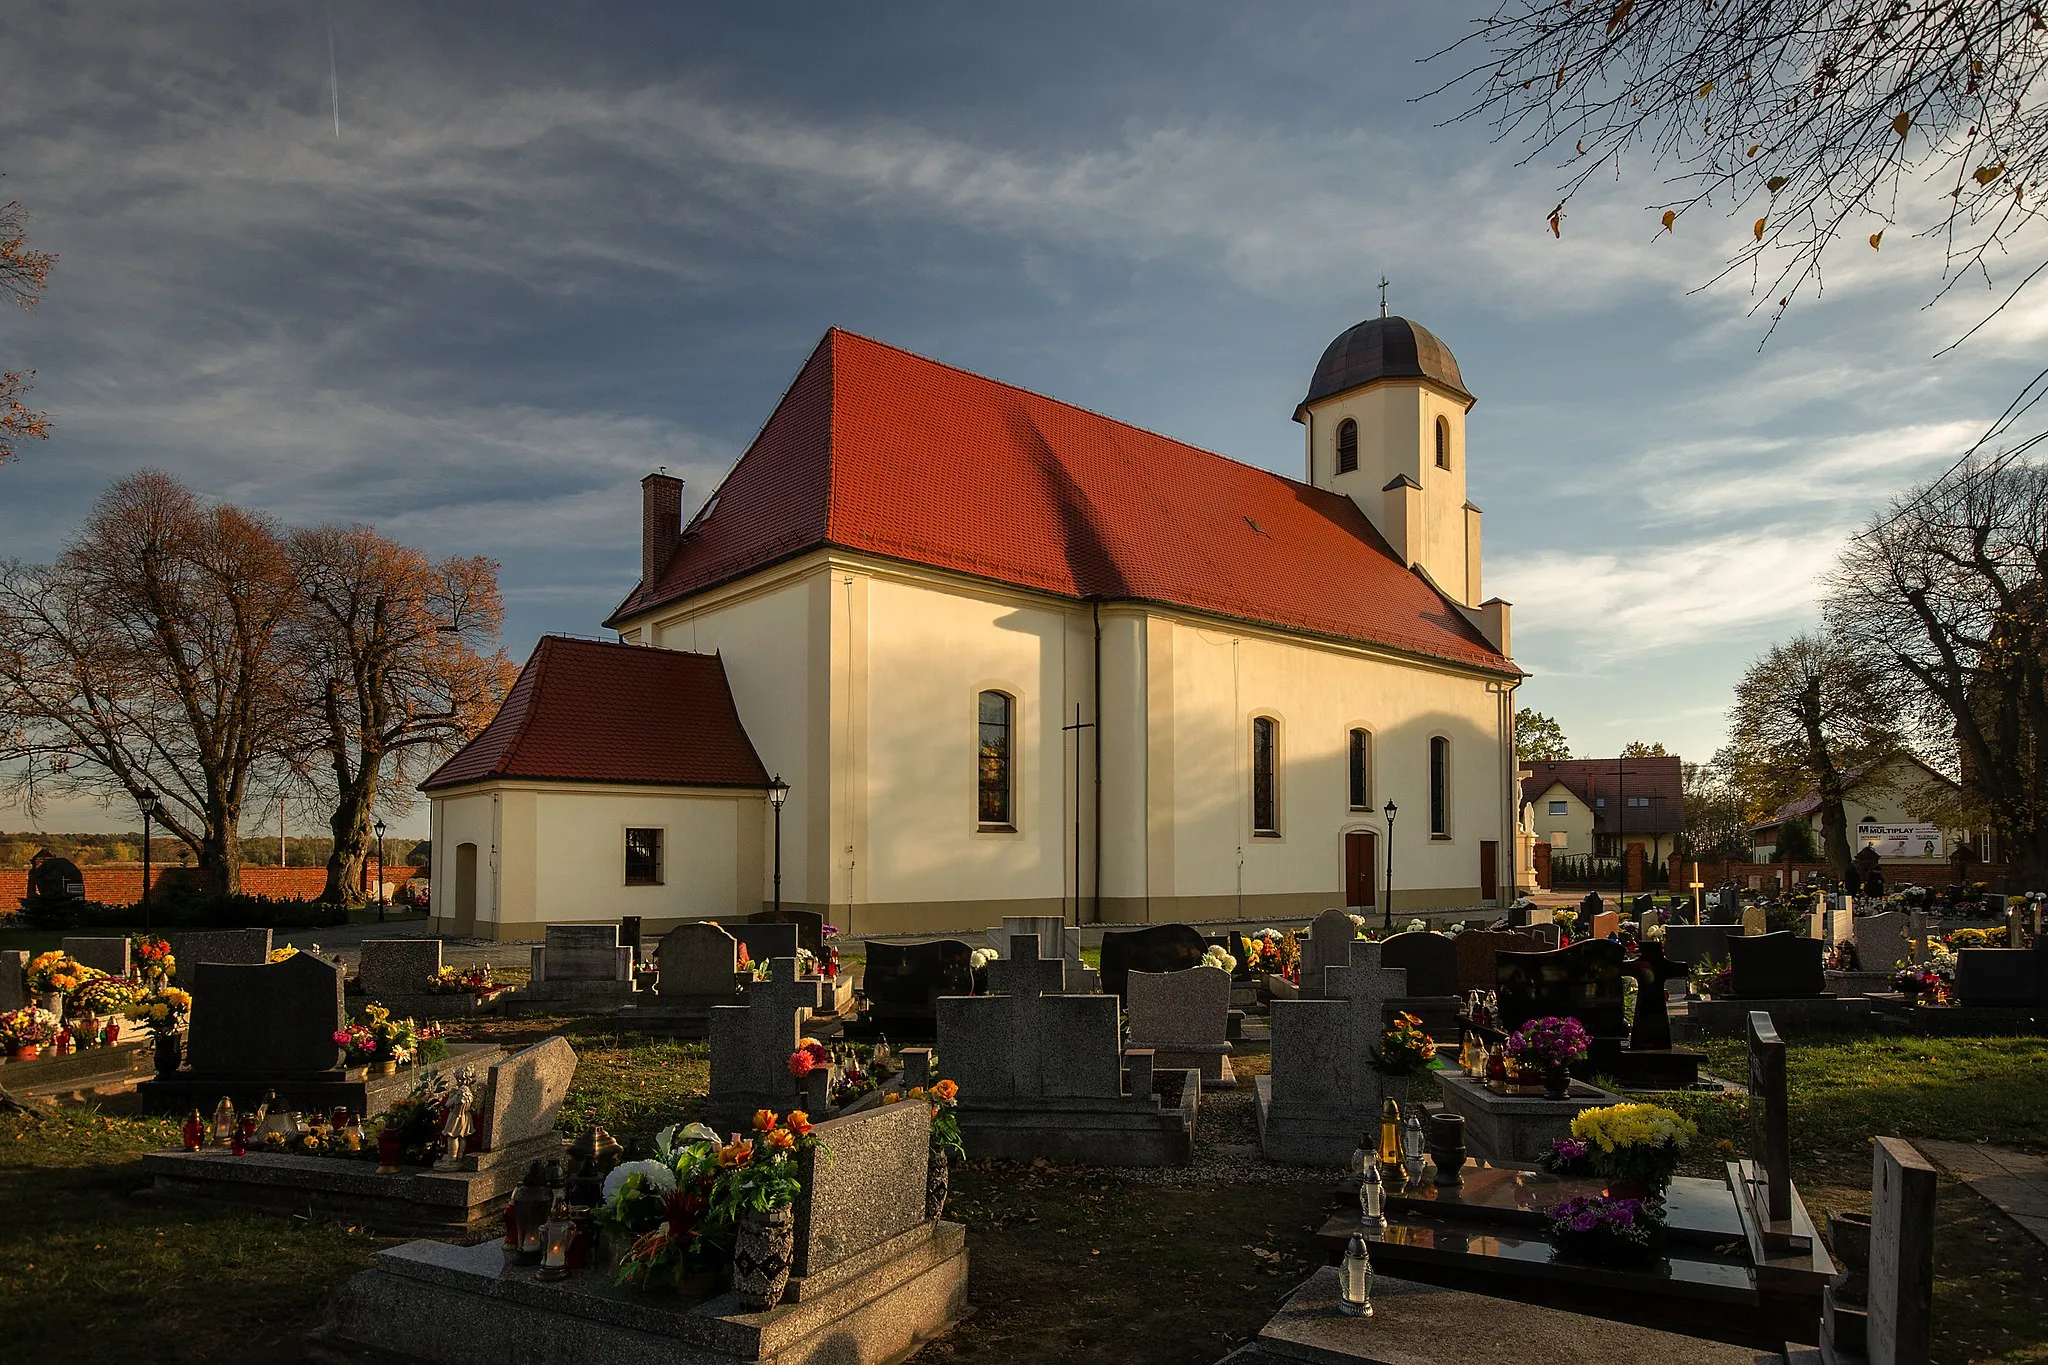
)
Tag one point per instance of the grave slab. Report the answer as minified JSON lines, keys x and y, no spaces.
{"x":109,"y":955}
{"x":1184,"y":1019}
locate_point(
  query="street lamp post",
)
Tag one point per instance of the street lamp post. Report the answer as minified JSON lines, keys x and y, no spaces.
{"x":1388,"y":922}
{"x":147,"y":800}
{"x":378,"y":830}
{"x":778,"y":792}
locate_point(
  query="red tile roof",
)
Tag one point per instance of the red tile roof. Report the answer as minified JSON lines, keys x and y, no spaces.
{"x":874,"y":449}
{"x":586,"y":711}
{"x":1591,"y":779}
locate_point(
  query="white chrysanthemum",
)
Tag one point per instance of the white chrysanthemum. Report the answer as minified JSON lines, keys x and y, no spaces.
{"x":656,"y":1176}
{"x":980,"y":958}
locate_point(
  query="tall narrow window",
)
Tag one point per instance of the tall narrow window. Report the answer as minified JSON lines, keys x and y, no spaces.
{"x":1443,"y":443}
{"x":643,"y":857}
{"x":1439,"y":787}
{"x":993,"y":762}
{"x":1361,"y":770}
{"x":1347,"y":446}
{"x":1265,"y":802}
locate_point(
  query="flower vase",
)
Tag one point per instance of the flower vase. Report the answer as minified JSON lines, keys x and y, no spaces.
{"x":938,"y":1178}
{"x":27,"y":1052}
{"x":170,"y":1052}
{"x":384,"y":1067}
{"x":760,"y":1257}
{"x":1557,"y":1082}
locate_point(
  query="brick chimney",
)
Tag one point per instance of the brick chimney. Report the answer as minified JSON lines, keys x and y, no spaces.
{"x":661,"y":525}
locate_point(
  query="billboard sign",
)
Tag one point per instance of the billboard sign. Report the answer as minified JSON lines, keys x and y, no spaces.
{"x":1901,"y":841}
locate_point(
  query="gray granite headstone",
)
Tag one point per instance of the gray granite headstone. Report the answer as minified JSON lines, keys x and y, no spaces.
{"x":109,"y":955}
{"x":523,"y":1096}
{"x":1184,"y":1019}
{"x":13,"y":980}
{"x":862,"y":1185}
{"x":397,"y":966}
{"x":276,"y":1019}
{"x":1882,"y":941}
{"x":697,"y":962}
{"x":244,"y":947}
{"x":584,"y":952}
{"x":1901,"y":1282}
{"x":1324,"y":1090}
{"x":751,"y":1043}
{"x":1030,"y":1046}
{"x":1330,"y":936}
{"x":1024,"y":972}
{"x":1431,"y":961}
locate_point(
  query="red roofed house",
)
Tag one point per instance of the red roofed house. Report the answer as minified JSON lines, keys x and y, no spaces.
{"x":1599,"y":806}
{"x":914,"y":586}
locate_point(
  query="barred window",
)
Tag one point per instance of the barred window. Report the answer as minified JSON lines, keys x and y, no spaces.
{"x":1347,"y":446}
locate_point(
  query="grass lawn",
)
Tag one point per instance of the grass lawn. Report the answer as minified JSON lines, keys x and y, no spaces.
{"x":1068,"y":1264}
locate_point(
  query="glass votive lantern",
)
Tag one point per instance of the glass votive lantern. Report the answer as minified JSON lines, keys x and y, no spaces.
{"x":1412,"y":1142}
{"x":1354,"y":1280}
{"x":1372,"y":1198}
{"x":554,"y":1256}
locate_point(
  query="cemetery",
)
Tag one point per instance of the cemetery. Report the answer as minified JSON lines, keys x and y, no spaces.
{"x":964,"y":1130}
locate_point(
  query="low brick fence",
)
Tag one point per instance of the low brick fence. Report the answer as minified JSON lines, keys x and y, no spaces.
{"x":119,"y":885}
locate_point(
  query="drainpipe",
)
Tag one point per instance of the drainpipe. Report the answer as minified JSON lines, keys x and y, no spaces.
{"x":1095,"y":606}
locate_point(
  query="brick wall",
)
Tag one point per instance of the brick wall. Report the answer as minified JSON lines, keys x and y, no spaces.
{"x":123,"y":885}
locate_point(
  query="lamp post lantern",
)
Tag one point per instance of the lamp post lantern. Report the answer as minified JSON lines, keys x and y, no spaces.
{"x":378,"y":830}
{"x":778,"y":792}
{"x":1388,"y":921}
{"x":146,"y":799}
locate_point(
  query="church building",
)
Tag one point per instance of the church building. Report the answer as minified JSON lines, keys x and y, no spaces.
{"x":940,"y":650}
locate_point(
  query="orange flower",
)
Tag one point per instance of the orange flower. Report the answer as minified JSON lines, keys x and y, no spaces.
{"x":738,"y":1153}
{"x":917,"y":1092}
{"x":893,"y":1097}
{"x":800,"y":1123}
{"x":782,"y":1139}
{"x":947,"y":1090}
{"x":764,"y":1120}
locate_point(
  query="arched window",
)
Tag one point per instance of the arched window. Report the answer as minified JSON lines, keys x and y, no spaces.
{"x":1347,"y":446}
{"x":1265,"y":787}
{"x":1439,"y":787}
{"x":1443,"y":443}
{"x":1360,"y":770}
{"x":993,"y":768}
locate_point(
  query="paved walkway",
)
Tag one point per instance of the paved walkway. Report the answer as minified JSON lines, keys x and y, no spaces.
{"x":2015,"y":1182}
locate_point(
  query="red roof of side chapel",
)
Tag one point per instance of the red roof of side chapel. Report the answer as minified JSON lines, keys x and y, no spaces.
{"x":874,"y":449}
{"x":588,"y":711}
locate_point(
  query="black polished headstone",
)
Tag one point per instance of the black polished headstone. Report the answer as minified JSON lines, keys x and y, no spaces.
{"x":1652,"y":1028}
{"x":278,"y":1019}
{"x":903,"y":983}
{"x":1162,"y":948}
{"x":1770,"y":1140}
{"x":1998,"y":978}
{"x":1581,"y":982}
{"x":763,"y":942}
{"x":1780,"y":966}
{"x":810,"y":926}
{"x":1431,"y":961}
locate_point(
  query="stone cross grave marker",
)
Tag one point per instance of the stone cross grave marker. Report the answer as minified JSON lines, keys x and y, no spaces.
{"x":1881,"y":940}
{"x":1652,"y":1028}
{"x":751,"y":1043}
{"x":697,"y":962}
{"x":1024,"y":972}
{"x":277,"y":1019}
{"x":109,"y":955}
{"x":1901,"y":1277}
{"x":1183,"y":1017}
{"x":246,"y":947}
{"x":1770,"y":1141}
{"x":1025,"y":1043}
{"x":583,"y":952}
{"x":1330,"y":936}
{"x":1324,"y":1091}
{"x":522,"y":1098}
{"x":397,"y":966}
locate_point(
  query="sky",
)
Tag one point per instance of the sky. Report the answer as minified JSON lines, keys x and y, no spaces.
{"x":467,"y":271}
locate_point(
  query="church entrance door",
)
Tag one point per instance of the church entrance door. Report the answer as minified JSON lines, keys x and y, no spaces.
{"x":465,"y":890}
{"x":1489,"y":870}
{"x":1360,"y":861}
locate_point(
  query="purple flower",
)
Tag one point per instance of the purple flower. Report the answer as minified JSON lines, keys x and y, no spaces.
{"x":1585,"y":1222}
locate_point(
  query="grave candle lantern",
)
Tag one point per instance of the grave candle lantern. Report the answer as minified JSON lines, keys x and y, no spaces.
{"x":1372,"y":1197}
{"x":1390,"y":1131}
{"x":554,"y":1258}
{"x":1411,"y":1137}
{"x":195,"y":1132}
{"x":223,"y":1121}
{"x":1354,"y":1280}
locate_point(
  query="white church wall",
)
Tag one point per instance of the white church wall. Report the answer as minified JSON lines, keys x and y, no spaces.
{"x":466,"y":818}
{"x":581,"y":862}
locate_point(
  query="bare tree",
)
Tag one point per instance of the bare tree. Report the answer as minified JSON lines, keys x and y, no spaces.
{"x":23,"y":272}
{"x":1826,"y":118}
{"x":388,"y":671}
{"x":1805,"y":714}
{"x":1947,"y":594}
{"x":149,"y":656}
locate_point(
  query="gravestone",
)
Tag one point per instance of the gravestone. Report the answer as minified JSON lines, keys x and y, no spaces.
{"x":1582,"y":981}
{"x":1521,"y":913}
{"x":1478,"y":951}
{"x":1184,"y":1018}
{"x":1431,"y":961}
{"x":751,"y":1043}
{"x":13,"y":980}
{"x":1605,"y":924}
{"x":1768,"y":1171}
{"x":1882,"y":941}
{"x":1042,"y":1075}
{"x":1695,"y":943}
{"x":1998,"y":978}
{"x":1916,"y":934}
{"x":109,"y":955}
{"x":1727,"y":906}
{"x":862,"y":1185}
{"x":1323,"y":1092}
{"x":1589,"y":907}
{"x":521,"y":1101}
{"x":903,"y":983}
{"x":697,"y":965}
{"x":276,"y":1020}
{"x":1162,"y":948}
{"x":1023,"y":972}
{"x":764,"y":942}
{"x":582,"y":966}
{"x":244,"y":947}
{"x":1651,"y":1031}
{"x":1780,"y":966}
{"x":1547,"y":934}
{"x":810,"y":928}
{"x":1056,"y":938}
{"x":1901,"y":1279}
{"x":1328,"y":944}
{"x":1755,"y":919}
{"x":397,"y":966}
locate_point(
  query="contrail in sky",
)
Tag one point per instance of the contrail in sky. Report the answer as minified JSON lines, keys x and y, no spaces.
{"x":333,"y":81}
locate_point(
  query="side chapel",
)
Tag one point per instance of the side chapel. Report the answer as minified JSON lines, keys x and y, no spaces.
{"x":1013,"y":657}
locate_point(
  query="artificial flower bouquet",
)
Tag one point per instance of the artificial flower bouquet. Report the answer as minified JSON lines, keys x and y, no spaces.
{"x":105,"y":995}
{"x":1567,"y":1157}
{"x":161,"y":1011}
{"x":944,"y":1099}
{"x":152,"y":959}
{"x":760,"y":1174}
{"x":1219,"y":957}
{"x":1634,"y":1147}
{"x":661,"y":1210}
{"x":28,"y":1027}
{"x":1405,"y":1050}
{"x":474,"y":980}
{"x":60,"y":973}
{"x":1924,"y":982}
{"x":1549,"y":1042}
{"x":1711,"y":977}
{"x":810,"y":1054}
{"x":1605,"y":1230}
{"x":377,"y":1037}
{"x":1843,"y":958}
{"x":416,"y":1120}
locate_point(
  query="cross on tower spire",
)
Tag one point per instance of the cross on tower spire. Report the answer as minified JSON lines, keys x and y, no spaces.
{"x":1383,"y":295}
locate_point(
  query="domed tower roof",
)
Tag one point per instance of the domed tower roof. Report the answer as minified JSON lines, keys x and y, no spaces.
{"x":1383,"y":348}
